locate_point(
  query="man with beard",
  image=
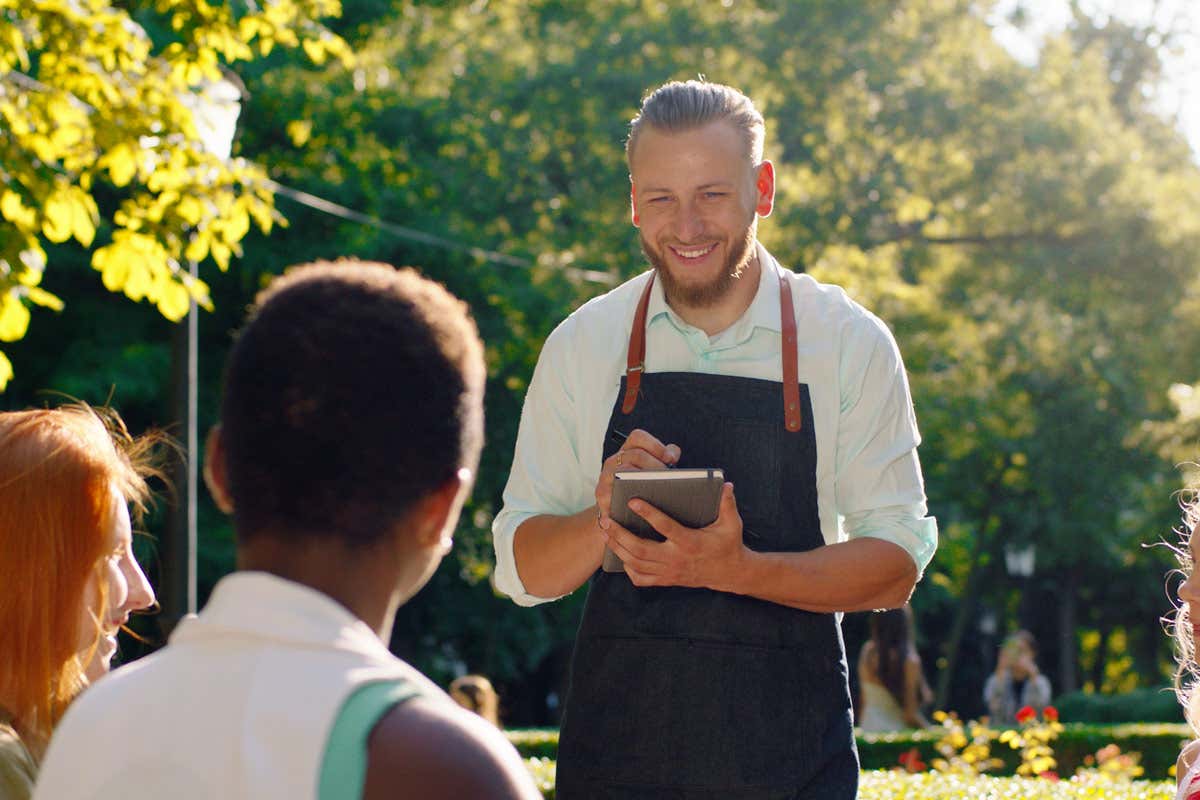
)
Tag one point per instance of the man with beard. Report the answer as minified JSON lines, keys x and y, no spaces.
{"x":713,"y":666}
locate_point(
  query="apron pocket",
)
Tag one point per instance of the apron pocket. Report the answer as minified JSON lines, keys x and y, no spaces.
{"x":705,"y":715}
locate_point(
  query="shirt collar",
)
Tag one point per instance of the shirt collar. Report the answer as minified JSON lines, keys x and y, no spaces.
{"x":763,"y":311}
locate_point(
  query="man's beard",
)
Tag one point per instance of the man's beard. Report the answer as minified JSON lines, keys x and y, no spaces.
{"x":705,"y":295}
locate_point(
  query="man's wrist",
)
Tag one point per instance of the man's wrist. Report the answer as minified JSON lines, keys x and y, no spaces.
{"x":737,"y":577}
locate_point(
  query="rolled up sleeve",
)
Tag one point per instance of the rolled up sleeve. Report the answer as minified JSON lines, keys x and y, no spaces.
{"x":546,"y":477}
{"x":880,"y":490}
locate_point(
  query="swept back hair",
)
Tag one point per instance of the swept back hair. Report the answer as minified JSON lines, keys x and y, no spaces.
{"x":57,"y":470}
{"x":686,"y":105}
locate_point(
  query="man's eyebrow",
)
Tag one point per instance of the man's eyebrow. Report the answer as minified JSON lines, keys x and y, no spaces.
{"x":700,"y":188}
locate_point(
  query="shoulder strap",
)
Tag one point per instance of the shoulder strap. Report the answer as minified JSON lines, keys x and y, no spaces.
{"x":344,"y":764}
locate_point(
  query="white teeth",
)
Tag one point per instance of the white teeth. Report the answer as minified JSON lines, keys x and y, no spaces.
{"x":695,"y":253}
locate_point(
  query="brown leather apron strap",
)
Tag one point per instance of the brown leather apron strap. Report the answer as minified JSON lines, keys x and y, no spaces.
{"x":636,"y":361}
{"x":791,"y":380}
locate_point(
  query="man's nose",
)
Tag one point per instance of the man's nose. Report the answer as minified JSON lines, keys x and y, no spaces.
{"x":690,"y":225}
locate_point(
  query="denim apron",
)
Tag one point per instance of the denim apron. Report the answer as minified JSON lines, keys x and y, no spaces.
{"x":691,"y":693}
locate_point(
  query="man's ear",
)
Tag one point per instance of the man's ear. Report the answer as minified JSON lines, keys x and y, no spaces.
{"x":633,"y":212}
{"x":215,"y":475}
{"x":434,"y":517}
{"x":764,"y":183}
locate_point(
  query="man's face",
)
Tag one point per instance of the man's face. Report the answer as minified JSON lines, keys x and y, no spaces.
{"x":695,"y":197}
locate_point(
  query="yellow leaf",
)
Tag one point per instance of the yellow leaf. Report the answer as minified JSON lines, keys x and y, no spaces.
{"x":121,"y":162}
{"x":14,"y":318}
{"x":202,"y":295}
{"x":315,"y":51}
{"x":57,"y":217}
{"x":6,"y":371}
{"x":43,"y":298}
{"x":197,"y":248}
{"x":238,"y":225}
{"x":190,"y":209}
{"x":299,"y":131}
{"x":113,"y":264}
{"x":16,"y":212}
{"x":82,"y":223}
{"x":137,"y":281}
{"x":913,"y":209}
{"x":175,"y":302}
{"x":220,"y":254}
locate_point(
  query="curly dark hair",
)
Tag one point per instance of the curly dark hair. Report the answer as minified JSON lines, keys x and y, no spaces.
{"x":353,"y":391}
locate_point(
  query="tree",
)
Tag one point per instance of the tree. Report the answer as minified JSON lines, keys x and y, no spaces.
{"x":101,"y":134}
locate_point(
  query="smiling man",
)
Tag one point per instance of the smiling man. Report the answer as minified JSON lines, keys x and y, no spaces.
{"x":713,"y":665}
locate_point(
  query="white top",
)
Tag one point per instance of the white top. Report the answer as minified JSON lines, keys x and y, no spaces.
{"x":881,"y":712}
{"x":868,"y":477}
{"x":1188,"y":785}
{"x":239,"y":705}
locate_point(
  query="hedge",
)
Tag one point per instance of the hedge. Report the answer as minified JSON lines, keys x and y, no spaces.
{"x":888,"y":785}
{"x":1140,"y":705}
{"x":1159,"y":744}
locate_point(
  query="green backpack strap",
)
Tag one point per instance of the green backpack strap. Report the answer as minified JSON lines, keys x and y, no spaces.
{"x":344,"y":765}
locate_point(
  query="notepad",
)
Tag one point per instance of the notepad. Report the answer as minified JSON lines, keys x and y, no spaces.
{"x":690,"y":496}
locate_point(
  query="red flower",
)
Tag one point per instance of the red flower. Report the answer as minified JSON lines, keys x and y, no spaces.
{"x":1050,"y":714}
{"x":911,"y":761}
{"x":1025,"y":715}
{"x":1049,"y":776}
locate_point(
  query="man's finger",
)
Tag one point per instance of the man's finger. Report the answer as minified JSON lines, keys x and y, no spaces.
{"x":630,"y":547}
{"x":727,"y":510}
{"x":640,"y":439}
{"x":668,"y":527}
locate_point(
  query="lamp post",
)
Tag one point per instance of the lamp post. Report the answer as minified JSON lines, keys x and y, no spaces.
{"x":1020,"y":560}
{"x":215,"y":108}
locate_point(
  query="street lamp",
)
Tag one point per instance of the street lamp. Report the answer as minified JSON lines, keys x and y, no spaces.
{"x":215,"y":108}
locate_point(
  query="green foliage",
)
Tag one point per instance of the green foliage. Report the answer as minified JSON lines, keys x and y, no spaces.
{"x":1140,"y":705}
{"x":93,"y":111}
{"x":1028,"y":232}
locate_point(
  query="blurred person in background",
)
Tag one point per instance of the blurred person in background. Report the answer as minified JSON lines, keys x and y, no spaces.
{"x":68,"y":576}
{"x":892,"y":686}
{"x":475,"y":693}
{"x":1016,"y":682}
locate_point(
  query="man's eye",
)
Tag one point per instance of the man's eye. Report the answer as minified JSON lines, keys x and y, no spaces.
{"x":663,"y":199}
{"x":714,"y":195}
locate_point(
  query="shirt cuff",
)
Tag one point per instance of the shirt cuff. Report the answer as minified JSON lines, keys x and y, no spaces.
{"x":506,"y":580}
{"x":906,"y":526}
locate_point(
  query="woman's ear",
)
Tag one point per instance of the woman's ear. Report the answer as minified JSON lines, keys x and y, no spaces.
{"x":215,"y":476}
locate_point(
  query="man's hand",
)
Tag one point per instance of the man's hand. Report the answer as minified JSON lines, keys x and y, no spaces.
{"x":640,"y":451}
{"x":702,"y":558}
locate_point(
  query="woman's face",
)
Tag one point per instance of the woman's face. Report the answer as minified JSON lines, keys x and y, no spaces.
{"x":125,"y":585}
{"x":1189,"y":590}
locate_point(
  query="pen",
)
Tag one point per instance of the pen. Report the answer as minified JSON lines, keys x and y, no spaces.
{"x":621,"y":436}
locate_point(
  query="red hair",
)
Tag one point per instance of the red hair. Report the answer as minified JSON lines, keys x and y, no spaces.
{"x":57,"y":471}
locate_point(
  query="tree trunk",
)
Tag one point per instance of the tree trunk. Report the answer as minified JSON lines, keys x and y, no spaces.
{"x":1067,"y":648}
{"x":966,"y":612}
{"x":1097,"y":676}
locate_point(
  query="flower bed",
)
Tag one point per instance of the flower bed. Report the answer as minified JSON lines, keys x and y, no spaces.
{"x":890,"y":785}
{"x":1158,"y":743}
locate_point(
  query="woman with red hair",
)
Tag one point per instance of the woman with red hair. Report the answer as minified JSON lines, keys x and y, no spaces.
{"x":68,"y":577}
